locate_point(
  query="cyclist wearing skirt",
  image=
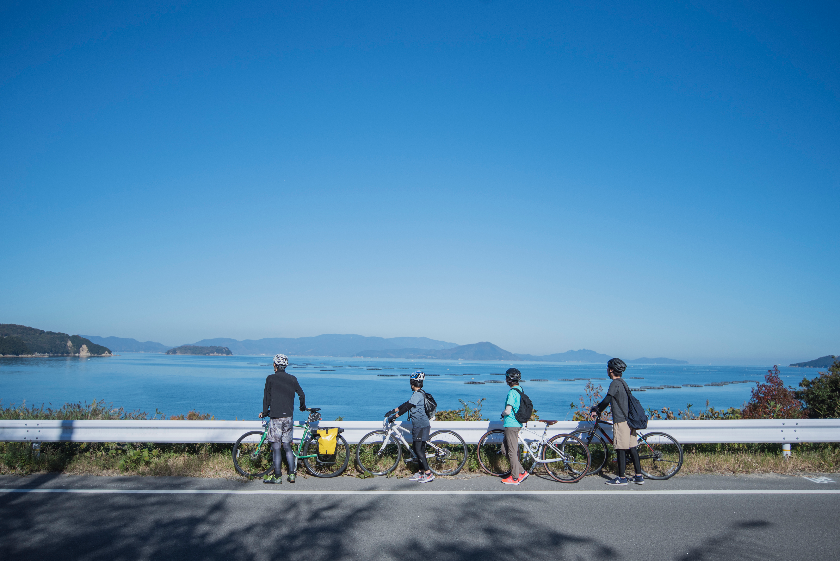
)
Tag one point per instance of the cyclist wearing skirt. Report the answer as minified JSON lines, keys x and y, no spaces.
{"x":624,"y":439}
{"x":420,"y":425}
{"x":278,"y":403}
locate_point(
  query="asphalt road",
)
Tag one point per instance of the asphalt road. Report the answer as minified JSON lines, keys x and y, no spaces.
{"x":475,"y":518}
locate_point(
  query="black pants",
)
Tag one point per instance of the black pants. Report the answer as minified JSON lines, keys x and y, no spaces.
{"x":420,"y":436}
{"x":622,"y":461}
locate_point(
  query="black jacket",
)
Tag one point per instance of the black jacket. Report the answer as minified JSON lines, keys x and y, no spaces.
{"x":279,"y":395}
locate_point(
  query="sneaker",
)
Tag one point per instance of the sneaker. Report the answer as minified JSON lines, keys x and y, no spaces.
{"x":427,"y":478}
{"x":291,"y":478}
{"x":522,"y":477}
{"x":272,"y":479}
{"x":618,"y":481}
{"x":510,"y":480}
{"x":639,"y":480}
{"x":416,"y":477}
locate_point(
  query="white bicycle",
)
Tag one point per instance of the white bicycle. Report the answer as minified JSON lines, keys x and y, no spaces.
{"x":564,"y":456}
{"x":379,"y":452}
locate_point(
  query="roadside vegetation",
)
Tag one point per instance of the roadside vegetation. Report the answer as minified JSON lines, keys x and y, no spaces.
{"x":816,"y":398}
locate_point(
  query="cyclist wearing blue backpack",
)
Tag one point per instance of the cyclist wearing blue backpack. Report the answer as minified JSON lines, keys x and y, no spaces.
{"x":624,"y":439}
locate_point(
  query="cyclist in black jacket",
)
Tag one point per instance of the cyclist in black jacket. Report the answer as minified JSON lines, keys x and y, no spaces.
{"x":278,"y":404}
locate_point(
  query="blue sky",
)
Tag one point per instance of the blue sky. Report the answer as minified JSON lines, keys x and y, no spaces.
{"x":659,"y":179}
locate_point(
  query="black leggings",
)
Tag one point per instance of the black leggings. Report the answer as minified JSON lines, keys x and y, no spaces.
{"x":622,"y":461}
{"x":420,"y":450}
{"x":277,"y":457}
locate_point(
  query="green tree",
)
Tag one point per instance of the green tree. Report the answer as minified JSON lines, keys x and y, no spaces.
{"x":822,"y":394}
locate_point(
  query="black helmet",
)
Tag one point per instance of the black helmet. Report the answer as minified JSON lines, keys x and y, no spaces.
{"x":617,"y":365}
{"x":513,"y":375}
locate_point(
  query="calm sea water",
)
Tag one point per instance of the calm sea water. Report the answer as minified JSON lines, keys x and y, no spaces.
{"x":354,"y":389}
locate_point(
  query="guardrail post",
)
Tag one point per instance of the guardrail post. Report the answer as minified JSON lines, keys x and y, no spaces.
{"x":36,"y":447}
{"x":786,"y":450}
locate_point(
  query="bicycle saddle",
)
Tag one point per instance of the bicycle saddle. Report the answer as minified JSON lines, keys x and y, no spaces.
{"x":313,"y":409}
{"x":548,"y":423}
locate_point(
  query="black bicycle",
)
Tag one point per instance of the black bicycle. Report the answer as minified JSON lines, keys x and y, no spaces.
{"x":660,"y":453}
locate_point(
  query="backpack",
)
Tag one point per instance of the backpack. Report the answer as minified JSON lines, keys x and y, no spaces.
{"x":526,"y":408}
{"x":430,"y":405}
{"x":636,"y":416}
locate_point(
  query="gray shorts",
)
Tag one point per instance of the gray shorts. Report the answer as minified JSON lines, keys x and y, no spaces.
{"x":280,"y":430}
{"x":420,"y":433}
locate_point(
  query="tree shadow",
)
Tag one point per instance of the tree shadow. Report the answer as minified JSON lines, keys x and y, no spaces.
{"x":739,"y":542}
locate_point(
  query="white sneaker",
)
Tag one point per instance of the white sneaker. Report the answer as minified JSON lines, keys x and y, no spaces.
{"x":416,"y":477}
{"x":427,"y":478}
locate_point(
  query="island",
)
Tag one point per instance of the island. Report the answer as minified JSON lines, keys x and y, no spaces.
{"x":197,"y":350}
{"x":822,"y":362}
{"x":23,"y":341}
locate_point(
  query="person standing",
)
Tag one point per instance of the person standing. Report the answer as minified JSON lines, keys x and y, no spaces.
{"x":511,"y":443}
{"x":624,"y":439}
{"x":420,"y":425}
{"x":278,"y":403}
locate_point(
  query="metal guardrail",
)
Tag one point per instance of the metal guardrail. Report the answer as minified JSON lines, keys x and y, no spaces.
{"x":784,"y":431}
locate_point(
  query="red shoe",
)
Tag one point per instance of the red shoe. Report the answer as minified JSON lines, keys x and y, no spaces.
{"x":509,"y":480}
{"x":522,"y":477}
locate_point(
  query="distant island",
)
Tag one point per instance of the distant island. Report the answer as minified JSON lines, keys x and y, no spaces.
{"x":196,"y":350}
{"x":822,"y":362}
{"x":20,"y":340}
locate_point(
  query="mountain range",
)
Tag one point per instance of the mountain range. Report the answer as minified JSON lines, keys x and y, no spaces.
{"x":372,"y":347}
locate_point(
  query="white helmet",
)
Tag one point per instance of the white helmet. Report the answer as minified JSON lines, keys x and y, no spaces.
{"x":281,"y":360}
{"x":418,"y":376}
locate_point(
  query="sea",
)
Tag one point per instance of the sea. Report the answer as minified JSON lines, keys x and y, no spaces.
{"x":356,"y":389}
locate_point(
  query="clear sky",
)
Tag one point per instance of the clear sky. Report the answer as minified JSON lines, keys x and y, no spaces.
{"x":661,"y":179}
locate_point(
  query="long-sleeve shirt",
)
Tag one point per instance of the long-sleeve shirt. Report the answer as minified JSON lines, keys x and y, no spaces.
{"x":617,"y":399}
{"x":279,"y":395}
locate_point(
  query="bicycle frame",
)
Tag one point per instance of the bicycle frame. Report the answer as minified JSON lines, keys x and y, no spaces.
{"x":393,"y":429}
{"x":299,"y":454}
{"x":533,"y":447}
{"x":598,"y":428}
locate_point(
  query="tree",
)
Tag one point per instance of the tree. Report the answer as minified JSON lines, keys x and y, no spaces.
{"x":822,"y":394}
{"x":772,"y":400}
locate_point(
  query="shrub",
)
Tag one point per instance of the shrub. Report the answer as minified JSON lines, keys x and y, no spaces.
{"x":772,"y":400}
{"x":822,"y":394}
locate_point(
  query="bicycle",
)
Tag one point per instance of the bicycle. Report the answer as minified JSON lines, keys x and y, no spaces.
{"x":379,"y":452}
{"x":252,"y":456}
{"x":660,"y":454}
{"x":565,"y":457}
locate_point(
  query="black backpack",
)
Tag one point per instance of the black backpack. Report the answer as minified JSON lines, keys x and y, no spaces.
{"x":636,"y":416}
{"x":430,"y":405}
{"x":526,"y":408}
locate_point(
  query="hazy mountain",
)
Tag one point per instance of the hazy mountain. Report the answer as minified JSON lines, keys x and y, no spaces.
{"x":476,"y":351}
{"x":659,"y":360}
{"x":323,"y":345}
{"x":822,"y":362}
{"x":582,"y":355}
{"x":195,"y":350}
{"x":125,"y":345}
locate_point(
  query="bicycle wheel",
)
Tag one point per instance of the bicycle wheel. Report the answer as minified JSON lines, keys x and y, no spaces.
{"x":323,"y":465}
{"x":572,"y":457}
{"x":446,"y":452}
{"x":599,"y":454}
{"x":491,"y":455}
{"x":249,"y":458}
{"x":375,"y":455}
{"x":661,"y":455}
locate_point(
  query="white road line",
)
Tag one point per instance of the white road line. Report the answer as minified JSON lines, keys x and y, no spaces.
{"x":374,"y":492}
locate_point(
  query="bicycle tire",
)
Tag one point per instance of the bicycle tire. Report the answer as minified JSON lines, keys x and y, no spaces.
{"x":451,"y":455}
{"x":372,"y":457}
{"x":660,"y":454}
{"x":575,"y":455}
{"x":248,"y":459}
{"x":322,"y":465}
{"x":491,"y":456}
{"x":599,"y":453}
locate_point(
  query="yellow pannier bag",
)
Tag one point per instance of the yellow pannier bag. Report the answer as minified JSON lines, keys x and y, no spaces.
{"x":327,"y":441}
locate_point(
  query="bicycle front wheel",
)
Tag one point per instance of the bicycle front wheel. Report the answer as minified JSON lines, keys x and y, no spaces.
{"x":378,"y":453}
{"x":491,"y":453}
{"x":661,"y":455}
{"x":446,"y":452}
{"x":326,"y":465}
{"x":249,"y":458}
{"x":569,"y":458}
{"x":598,"y":451}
